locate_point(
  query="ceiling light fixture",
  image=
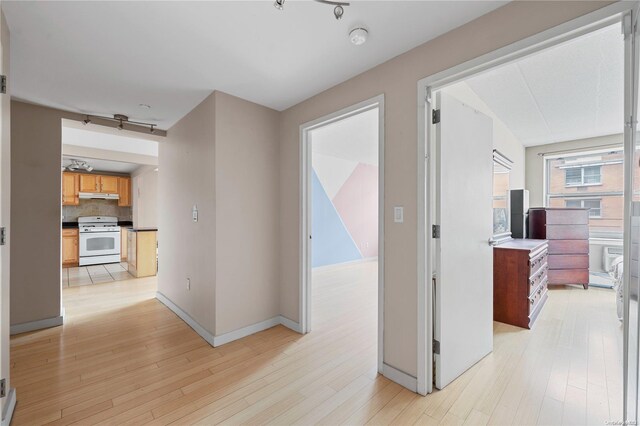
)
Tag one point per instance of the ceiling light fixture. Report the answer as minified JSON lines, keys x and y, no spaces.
{"x":358,"y":36}
{"x":79,"y":165}
{"x":338,"y":9}
{"x":121,"y":119}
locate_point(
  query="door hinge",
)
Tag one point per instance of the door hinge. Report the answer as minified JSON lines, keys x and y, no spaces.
{"x":3,"y":236}
{"x":436,"y":347}
{"x":3,"y":388}
{"x":435,"y":116}
{"x":3,"y":84}
{"x":435,"y":231}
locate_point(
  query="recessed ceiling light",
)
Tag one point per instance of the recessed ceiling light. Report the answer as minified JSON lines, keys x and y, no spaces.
{"x":145,"y":106}
{"x":358,"y":36}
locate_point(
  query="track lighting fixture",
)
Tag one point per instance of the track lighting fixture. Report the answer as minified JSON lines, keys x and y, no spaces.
{"x":121,"y":119}
{"x":338,"y":10}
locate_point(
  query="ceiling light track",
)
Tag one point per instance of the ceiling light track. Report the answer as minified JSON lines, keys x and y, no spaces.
{"x":338,"y":9}
{"x":121,"y":119}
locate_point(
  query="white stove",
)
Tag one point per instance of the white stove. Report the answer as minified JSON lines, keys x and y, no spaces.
{"x":99,"y":240}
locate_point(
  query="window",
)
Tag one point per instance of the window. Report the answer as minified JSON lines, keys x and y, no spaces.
{"x":594,"y":206}
{"x":578,"y":176}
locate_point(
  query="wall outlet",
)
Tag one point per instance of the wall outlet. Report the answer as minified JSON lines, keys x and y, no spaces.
{"x":188,"y":283}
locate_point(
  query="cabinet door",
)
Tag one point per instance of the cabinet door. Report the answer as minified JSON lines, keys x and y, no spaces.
{"x":124,"y":191}
{"x":124,"y":246}
{"x":69,"y":249}
{"x":109,"y":184}
{"x":89,"y":183}
{"x":70,"y":184}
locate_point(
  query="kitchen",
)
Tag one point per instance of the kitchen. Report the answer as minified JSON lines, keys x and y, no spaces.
{"x":104,"y":202}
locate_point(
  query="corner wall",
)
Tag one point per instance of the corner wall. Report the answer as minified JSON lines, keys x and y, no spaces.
{"x":186,"y":249}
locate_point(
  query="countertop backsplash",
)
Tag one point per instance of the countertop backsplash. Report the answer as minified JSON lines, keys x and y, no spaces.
{"x":94,"y":207}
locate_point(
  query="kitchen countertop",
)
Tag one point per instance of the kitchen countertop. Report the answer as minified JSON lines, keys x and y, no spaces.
{"x":142,"y":229}
{"x":122,"y":224}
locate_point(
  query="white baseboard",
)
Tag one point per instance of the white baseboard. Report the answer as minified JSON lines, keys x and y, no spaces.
{"x":290,"y":324}
{"x":186,"y":318}
{"x":245,"y":331}
{"x":37,"y":325}
{"x":400,"y":377}
{"x":232,"y":335}
{"x":9,"y":407}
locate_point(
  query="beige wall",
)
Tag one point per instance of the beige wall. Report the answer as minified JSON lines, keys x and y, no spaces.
{"x":144,"y":188}
{"x":397,"y":80}
{"x":186,"y":249}
{"x":503,"y":140}
{"x":247,"y":207}
{"x":534,"y":167}
{"x":5,"y":211}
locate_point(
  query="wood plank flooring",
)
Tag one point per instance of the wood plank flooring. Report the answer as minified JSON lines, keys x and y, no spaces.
{"x":124,"y":358}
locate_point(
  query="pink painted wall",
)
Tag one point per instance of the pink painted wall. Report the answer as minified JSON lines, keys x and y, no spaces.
{"x":357,"y":205}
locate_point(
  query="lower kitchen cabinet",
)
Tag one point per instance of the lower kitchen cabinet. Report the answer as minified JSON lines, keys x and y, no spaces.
{"x":142,"y":255}
{"x":70,"y":255}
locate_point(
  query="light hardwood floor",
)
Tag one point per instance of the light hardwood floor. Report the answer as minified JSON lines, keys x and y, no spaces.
{"x":124,"y":358}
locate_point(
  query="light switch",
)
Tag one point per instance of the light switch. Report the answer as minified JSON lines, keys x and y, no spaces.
{"x":398,"y":214}
{"x":195,"y":213}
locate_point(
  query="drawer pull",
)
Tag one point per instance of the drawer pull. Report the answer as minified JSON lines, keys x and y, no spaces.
{"x":532,"y":282}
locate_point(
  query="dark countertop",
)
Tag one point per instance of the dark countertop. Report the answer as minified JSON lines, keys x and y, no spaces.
{"x":123,"y":224}
{"x":66,"y":225}
{"x":142,"y":229}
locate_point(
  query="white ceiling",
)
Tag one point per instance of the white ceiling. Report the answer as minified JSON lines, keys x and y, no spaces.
{"x":103,"y":165}
{"x":571,"y":91}
{"x":354,"y":138}
{"x":109,"y":57}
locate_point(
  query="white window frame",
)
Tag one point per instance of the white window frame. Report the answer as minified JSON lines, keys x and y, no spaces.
{"x":582,"y":182}
{"x":582,"y":200}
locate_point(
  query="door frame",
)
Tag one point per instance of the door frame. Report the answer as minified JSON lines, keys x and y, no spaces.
{"x":305,"y":212}
{"x":585,"y":24}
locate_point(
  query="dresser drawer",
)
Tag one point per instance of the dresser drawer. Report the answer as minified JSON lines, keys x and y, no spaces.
{"x":569,"y":247}
{"x":568,"y":276}
{"x":537,"y":278}
{"x":537,"y":262}
{"x":567,"y":217}
{"x":568,"y":261}
{"x":567,"y":232}
{"x":535,"y":297}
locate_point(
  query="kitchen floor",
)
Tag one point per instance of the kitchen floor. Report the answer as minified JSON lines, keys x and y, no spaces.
{"x":95,"y":274}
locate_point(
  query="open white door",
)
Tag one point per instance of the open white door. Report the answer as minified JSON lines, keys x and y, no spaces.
{"x":463,"y":323}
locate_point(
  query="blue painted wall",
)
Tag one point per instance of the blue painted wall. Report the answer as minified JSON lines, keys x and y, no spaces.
{"x":331,"y":242}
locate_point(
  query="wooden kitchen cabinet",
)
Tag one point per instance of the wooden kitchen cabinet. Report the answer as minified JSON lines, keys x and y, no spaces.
{"x":70,"y":255}
{"x":109,"y":184}
{"x":124,"y":244}
{"x":70,"y":189}
{"x":142,"y":255}
{"x":124,"y":191}
{"x":89,"y":183}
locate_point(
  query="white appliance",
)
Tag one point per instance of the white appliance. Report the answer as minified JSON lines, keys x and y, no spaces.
{"x":99,"y":240}
{"x":98,"y":195}
{"x":609,"y":254}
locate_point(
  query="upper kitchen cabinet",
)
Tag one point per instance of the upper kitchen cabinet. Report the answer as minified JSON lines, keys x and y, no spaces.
{"x":70,"y":188}
{"x":109,"y":184}
{"x":124,"y":191}
{"x":89,"y":183}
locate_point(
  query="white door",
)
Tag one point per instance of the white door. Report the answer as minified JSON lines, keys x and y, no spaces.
{"x":5,"y":176}
{"x":632,"y":219}
{"x":463,"y":323}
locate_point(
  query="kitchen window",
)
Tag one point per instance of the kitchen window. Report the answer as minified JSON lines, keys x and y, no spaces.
{"x":595,"y":206}
{"x":580,"y":176}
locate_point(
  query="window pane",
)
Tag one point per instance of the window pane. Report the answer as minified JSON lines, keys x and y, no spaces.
{"x":592,"y":174}
{"x":573,"y":203}
{"x":573,"y":176}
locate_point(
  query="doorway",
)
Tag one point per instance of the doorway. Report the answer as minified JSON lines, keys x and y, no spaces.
{"x":429,"y":175}
{"x":342,"y":165}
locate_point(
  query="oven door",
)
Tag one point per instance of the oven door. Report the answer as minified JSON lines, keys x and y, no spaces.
{"x":99,"y":243}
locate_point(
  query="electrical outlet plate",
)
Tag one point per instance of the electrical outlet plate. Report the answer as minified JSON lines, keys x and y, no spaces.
{"x":188,"y":283}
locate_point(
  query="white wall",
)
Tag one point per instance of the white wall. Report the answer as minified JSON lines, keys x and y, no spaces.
{"x":144,"y":189}
{"x":503,"y":139}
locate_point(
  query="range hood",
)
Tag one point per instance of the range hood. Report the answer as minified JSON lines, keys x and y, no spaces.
{"x":97,"y":195}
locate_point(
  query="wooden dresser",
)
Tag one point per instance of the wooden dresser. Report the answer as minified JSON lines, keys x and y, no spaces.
{"x":567,"y":230}
{"x":519,"y":281}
